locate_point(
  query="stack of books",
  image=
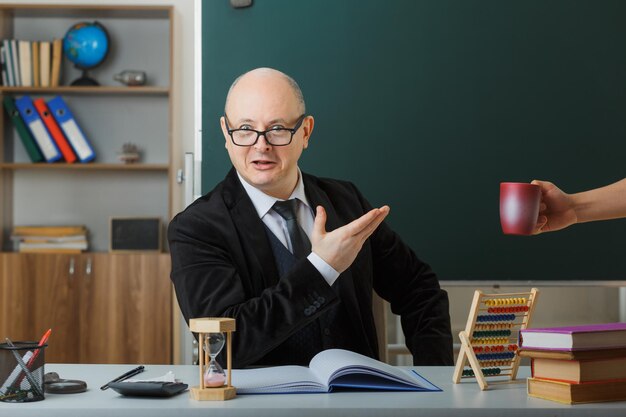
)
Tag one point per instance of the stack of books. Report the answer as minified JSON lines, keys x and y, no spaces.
{"x":578,"y":364}
{"x":31,"y":63}
{"x":53,"y":239}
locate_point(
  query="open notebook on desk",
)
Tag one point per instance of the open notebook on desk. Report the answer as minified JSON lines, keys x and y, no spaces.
{"x":333,"y":369}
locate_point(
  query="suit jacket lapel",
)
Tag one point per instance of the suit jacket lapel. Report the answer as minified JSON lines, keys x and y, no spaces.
{"x":252,"y":233}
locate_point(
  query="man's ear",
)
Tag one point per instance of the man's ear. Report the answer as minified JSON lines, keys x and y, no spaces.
{"x":307,"y":127}
{"x":224,"y":131}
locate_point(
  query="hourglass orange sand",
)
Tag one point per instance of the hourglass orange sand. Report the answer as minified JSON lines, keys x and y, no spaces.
{"x":210,"y":342}
{"x":490,"y":339}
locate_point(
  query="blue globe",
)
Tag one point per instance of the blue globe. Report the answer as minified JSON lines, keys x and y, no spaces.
{"x":86,"y":44}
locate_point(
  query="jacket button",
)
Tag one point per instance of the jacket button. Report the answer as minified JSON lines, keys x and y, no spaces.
{"x":327,"y":331}
{"x":317,"y":304}
{"x":307,"y":311}
{"x":321,"y":300}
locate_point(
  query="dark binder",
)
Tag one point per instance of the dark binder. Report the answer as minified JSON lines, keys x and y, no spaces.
{"x":35,"y":125}
{"x":27,"y":139}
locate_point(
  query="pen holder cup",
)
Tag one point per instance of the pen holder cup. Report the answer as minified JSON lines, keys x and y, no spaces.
{"x":21,"y":372}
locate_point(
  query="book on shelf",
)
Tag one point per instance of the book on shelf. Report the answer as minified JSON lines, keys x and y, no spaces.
{"x":35,"y":124}
{"x":49,"y":239}
{"x":54,"y":130}
{"x":72,"y":131}
{"x":70,"y":239}
{"x":330,"y":370}
{"x":3,"y":66}
{"x":52,"y":250}
{"x":26,"y":63}
{"x":79,"y":245}
{"x":44,"y":63}
{"x":57,"y":55}
{"x":24,"y":133}
{"x":586,"y":337}
{"x":578,"y":366}
{"x":8,"y":58}
{"x":36,"y":66}
{"x":15,"y":62}
{"x":49,"y":230}
{"x":570,"y":393}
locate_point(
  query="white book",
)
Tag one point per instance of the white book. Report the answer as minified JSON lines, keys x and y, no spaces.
{"x":329,"y":370}
{"x":44,"y":62}
{"x":26,"y":64}
{"x":24,"y":246}
{"x":15,"y":63}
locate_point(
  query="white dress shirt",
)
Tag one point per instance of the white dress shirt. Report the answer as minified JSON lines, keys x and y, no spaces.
{"x":263,"y":204}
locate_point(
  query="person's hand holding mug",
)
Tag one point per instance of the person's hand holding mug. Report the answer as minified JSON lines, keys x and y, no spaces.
{"x":556,"y":210}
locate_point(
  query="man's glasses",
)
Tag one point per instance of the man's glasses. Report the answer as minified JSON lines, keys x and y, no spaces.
{"x":276,"y":136}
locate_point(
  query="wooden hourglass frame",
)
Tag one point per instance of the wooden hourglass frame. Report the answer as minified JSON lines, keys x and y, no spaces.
{"x":205,"y":326}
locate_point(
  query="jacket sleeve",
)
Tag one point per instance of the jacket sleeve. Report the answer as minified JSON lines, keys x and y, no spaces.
{"x":208,"y":272}
{"x":413,"y":290}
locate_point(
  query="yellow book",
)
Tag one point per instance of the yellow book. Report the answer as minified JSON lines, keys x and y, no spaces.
{"x":57,"y":54}
{"x":44,"y":63}
{"x":49,"y":230}
{"x":50,"y":250}
{"x":569,"y":393}
{"x":35,"y":56}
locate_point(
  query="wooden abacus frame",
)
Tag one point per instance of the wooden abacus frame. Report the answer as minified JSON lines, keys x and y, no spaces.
{"x":492,"y":323}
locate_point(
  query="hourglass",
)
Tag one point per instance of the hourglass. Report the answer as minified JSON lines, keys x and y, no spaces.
{"x":214,"y":375}
{"x":211,"y":341}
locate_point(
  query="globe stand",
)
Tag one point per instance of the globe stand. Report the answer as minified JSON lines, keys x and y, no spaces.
{"x":84,"y":80}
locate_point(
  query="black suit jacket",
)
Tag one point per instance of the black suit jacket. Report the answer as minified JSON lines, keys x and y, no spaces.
{"x":223,"y":266}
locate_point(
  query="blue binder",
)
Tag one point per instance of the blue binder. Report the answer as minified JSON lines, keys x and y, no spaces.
{"x":72,"y":131}
{"x":31,"y":118}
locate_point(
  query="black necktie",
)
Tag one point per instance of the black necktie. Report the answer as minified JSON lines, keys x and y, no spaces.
{"x":299,"y":240}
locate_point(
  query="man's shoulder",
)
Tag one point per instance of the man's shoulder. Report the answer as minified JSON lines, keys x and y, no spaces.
{"x":329,"y":184}
{"x":210,"y":207}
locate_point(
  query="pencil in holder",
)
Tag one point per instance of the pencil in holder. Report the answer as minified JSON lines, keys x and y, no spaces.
{"x":22,"y":372}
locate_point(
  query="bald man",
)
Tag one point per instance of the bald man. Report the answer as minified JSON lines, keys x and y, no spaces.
{"x":292,"y":257}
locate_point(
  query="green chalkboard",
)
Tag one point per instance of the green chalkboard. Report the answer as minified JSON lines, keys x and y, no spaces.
{"x":428,"y":105}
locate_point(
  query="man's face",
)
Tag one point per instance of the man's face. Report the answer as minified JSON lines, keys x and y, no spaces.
{"x":263,"y":101}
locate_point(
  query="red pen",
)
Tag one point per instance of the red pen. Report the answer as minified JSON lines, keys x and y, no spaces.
{"x":42,"y":341}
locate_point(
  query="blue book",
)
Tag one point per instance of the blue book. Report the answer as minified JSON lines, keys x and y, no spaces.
{"x":75,"y":136}
{"x":330,"y":370}
{"x":35,"y":125}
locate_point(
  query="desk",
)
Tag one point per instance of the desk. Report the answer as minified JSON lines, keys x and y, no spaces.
{"x":464,"y":399}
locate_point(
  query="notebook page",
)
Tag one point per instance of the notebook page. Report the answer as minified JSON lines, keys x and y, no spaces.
{"x":276,"y":379}
{"x":333,"y":363}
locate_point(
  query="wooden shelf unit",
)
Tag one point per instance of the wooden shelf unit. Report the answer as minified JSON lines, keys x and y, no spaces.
{"x":103,"y":307}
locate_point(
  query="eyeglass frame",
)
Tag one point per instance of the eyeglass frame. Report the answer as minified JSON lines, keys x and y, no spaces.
{"x":260,"y":133}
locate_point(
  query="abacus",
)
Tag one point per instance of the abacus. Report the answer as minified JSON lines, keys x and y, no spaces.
{"x":489,"y":341}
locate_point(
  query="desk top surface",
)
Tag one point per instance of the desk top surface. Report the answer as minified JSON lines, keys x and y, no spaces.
{"x":464,"y":399}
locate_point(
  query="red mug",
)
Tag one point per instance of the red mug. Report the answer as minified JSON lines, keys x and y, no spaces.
{"x":519,"y":207}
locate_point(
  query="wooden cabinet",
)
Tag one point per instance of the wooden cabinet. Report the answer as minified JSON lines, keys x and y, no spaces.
{"x":102,"y":308}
